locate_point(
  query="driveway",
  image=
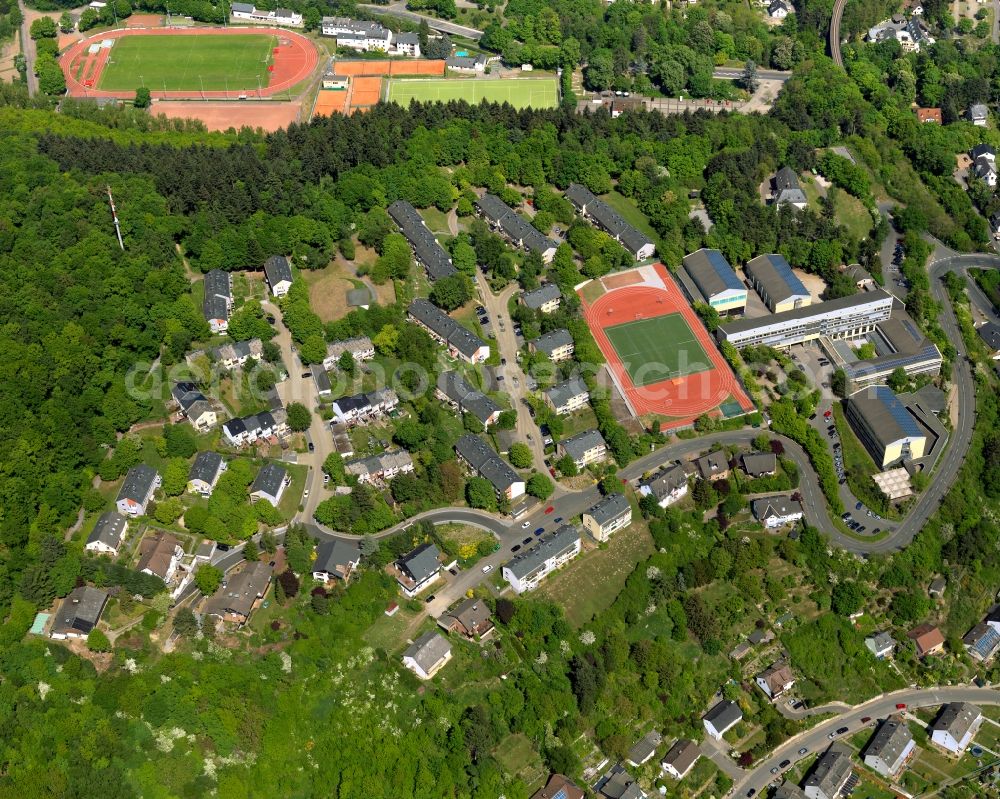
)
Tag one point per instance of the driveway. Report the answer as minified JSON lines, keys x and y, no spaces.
{"x":817,"y":738}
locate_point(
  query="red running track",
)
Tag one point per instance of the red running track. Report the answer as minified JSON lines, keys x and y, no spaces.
{"x":294,"y":62}
{"x":682,"y":399}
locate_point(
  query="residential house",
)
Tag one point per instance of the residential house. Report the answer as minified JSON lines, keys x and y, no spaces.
{"x":407,"y":44}
{"x":336,"y":560}
{"x":529,"y":567}
{"x":359,"y":35}
{"x":363,"y":408}
{"x":418,"y":569}
{"x":79,"y":613}
{"x":881,"y":645}
{"x":776,"y":511}
{"x":134,"y":495}
{"x":382,"y":467}
{"x":666,"y":487}
{"x":785,"y":188}
{"x":218,"y":302}
{"x":890,"y":747}
{"x":452,"y":388}
{"x":584,"y":448}
{"x":545,"y":298}
{"x":556,"y":344}
{"x":617,"y":783}
{"x":270,"y":484}
{"x":160,"y":555}
{"x":426,"y":248}
{"x":721,"y":718}
{"x":229,"y":356}
{"x":776,"y":680}
{"x":239,"y":596}
{"x":567,"y":396}
{"x":956,"y":726}
{"x":610,"y":221}
{"x":107,"y":536}
{"x":983,"y":640}
{"x":764,"y":464}
{"x":461,"y":342}
{"x":680,"y":758}
{"x":911,"y":33}
{"x":932,"y":115}
{"x":361,"y":349}
{"x":644,"y":748}
{"x":778,"y":286}
{"x":927,"y":639}
{"x":788,"y":790}
{"x":278,"y":273}
{"x":322,"y":380}
{"x":502,"y":218}
{"x":716,"y":281}
{"x":778,"y":10}
{"x":467,"y":64}
{"x":469,"y":618}
{"x":205,"y":551}
{"x":260,"y":426}
{"x":205,"y":473}
{"x":194,"y":406}
{"x":990,"y":334}
{"x":829,"y":775}
{"x":979,"y":115}
{"x":713,"y":466}
{"x":608,"y":516}
{"x":984,"y":164}
{"x":426,"y":656}
{"x":559,"y":787}
{"x":483,"y":461}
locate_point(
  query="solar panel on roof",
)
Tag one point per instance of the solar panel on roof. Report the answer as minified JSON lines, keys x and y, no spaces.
{"x":724,"y":270}
{"x":783,"y":269}
{"x":897,"y":410}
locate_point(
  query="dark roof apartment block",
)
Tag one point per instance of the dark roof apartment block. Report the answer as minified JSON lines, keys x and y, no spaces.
{"x":501,"y":215}
{"x":579,"y":445}
{"x":138,"y":483}
{"x":206,"y":467}
{"x":609,"y":508}
{"x":608,"y":219}
{"x":277,"y":269}
{"x":561,"y":393}
{"x":545,"y":293}
{"x":553,"y":341}
{"x":829,"y":775}
{"x":421,"y":563}
{"x":468,"y":399}
{"x":108,"y":530}
{"x":550,"y":545}
{"x":269,"y":480}
{"x":425,"y":246}
{"x":445,"y":328}
{"x":483,"y":460}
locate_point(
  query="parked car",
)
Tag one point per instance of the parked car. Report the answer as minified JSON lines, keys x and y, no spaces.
{"x":487,"y":568}
{"x":901,"y":706}
{"x":804,"y":750}
{"x":784,"y":764}
{"x":865,"y":719}
{"x":526,"y":525}
{"x":841,"y":730}
{"x":527,"y":540}
{"x":549,"y":509}
{"x":306,"y":375}
{"x":515,"y":548}
{"x":429,"y":599}
{"x":539,"y":531}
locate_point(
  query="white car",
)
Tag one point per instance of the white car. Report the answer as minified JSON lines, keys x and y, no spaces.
{"x":305,"y":494}
{"x":526,"y":525}
{"x":487,"y":568}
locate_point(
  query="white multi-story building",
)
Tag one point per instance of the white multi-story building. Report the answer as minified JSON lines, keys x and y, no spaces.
{"x":527,"y":569}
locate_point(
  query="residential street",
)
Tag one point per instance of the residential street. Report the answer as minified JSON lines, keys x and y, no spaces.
{"x":816,"y":739}
{"x":515,"y":381}
{"x":28,"y":48}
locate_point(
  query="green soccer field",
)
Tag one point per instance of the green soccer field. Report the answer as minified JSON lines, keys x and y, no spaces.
{"x":658,"y":349}
{"x":232,"y":62}
{"x":519,"y":92}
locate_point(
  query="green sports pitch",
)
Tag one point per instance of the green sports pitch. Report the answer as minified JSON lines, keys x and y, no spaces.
{"x":185,"y":63}
{"x":519,"y":92}
{"x":657,"y":349}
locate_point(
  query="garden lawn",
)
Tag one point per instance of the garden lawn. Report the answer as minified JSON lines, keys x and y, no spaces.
{"x":589,"y":584}
{"x":234,"y":62}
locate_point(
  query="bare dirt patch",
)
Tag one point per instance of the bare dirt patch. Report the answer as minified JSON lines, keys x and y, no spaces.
{"x":220,"y":116}
{"x":328,"y":294}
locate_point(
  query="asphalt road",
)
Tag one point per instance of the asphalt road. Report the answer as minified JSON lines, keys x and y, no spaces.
{"x":398,"y":9}
{"x":835,"y":19}
{"x":28,"y":49}
{"x":817,"y":738}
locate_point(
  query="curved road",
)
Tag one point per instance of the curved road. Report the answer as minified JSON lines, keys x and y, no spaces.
{"x":835,"y":20}
{"x":817,"y":738}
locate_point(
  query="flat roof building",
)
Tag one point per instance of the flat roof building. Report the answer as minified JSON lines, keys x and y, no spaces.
{"x":716,"y":280}
{"x":843,"y":317}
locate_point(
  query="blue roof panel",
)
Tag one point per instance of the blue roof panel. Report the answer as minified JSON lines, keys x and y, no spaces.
{"x":784,"y":270}
{"x":897,"y":410}
{"x":724,"y":270}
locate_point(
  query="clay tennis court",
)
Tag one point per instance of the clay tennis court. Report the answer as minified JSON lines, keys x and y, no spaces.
{"x":630,"y":302}
{"x":330,"y":102}
{"x":295,"y":59}
{"x":408,"y":67}
{"x":365,"y":91}
{"x":222,"y":115}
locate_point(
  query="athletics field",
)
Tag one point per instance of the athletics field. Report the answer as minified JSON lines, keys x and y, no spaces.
{"x":191,"y":63}
{"x":656,"y":349}
{"x":519,"y":92}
